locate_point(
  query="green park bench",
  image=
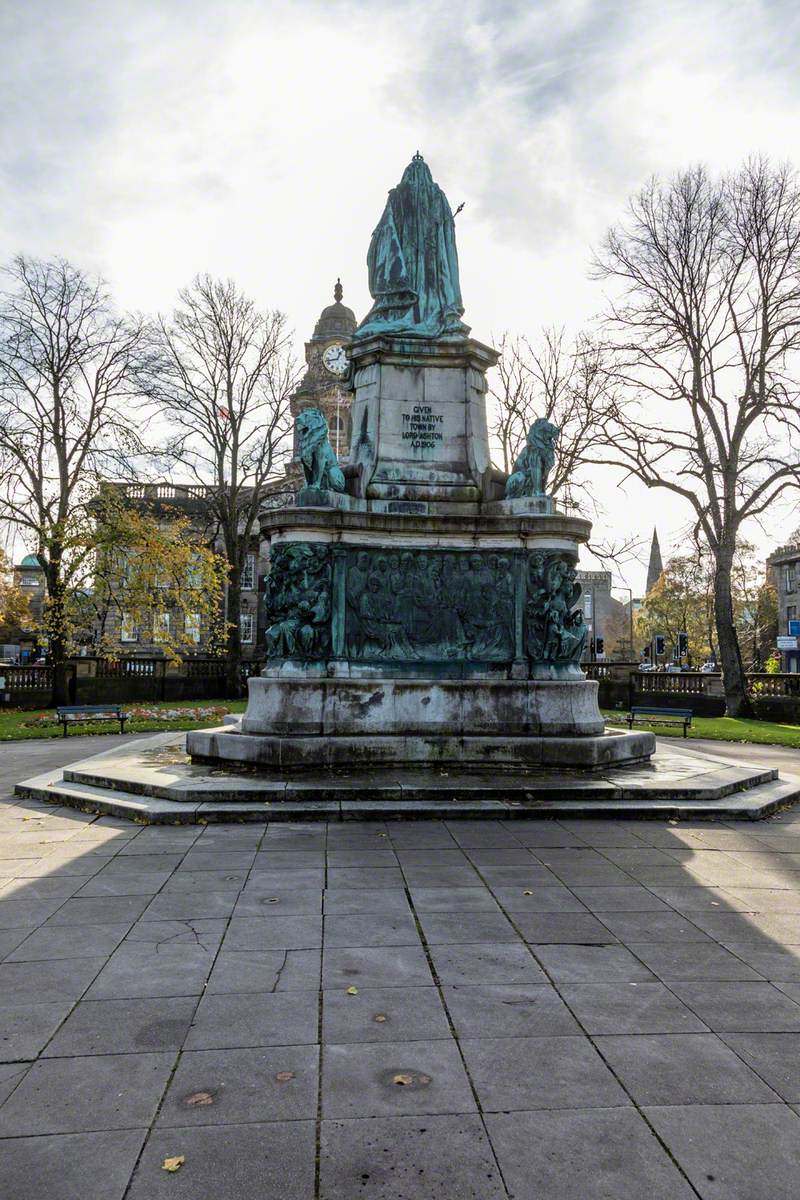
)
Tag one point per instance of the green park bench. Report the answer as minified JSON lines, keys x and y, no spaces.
{"x":660,"y":716}
{"x":91,"y":712}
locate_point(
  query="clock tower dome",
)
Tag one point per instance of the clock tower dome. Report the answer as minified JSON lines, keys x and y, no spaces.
{"x":325,"y":384}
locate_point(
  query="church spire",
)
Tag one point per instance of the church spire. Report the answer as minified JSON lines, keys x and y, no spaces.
{"x":655,"y":567}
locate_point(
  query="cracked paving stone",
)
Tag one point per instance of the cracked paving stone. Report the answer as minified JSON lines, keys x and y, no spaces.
{"x":265,"y":971}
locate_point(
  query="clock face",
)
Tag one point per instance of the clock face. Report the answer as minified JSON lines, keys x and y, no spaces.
{"x":336,"y":360}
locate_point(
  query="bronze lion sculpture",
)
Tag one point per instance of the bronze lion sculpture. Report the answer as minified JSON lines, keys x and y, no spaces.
{"x":316,"y":453}
{"x":529,"y":477}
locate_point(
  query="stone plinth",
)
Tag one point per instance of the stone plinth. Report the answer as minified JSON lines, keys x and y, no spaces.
{"x":301,"y":723}
{"x":419,"y":419}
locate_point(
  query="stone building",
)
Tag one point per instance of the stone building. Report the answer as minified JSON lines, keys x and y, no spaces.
{"x":606,"y":617}
{"x":784,"y":564}
{"x":29,"y":578}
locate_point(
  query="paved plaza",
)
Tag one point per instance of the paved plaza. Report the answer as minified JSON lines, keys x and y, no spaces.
{"x":475,"y":1010}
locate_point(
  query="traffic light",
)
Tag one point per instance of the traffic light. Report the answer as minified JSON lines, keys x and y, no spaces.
{"x":683,"y":645}
{"x":598,"y":645}
{"x":659,"y":645}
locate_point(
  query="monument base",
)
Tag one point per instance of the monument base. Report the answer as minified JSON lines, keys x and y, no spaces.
{"x":305,"y":723}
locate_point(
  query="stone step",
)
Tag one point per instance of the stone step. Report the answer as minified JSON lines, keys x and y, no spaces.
{"x":409,"y":802}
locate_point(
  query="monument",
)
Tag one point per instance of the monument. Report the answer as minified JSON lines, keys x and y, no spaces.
{"x":422,"y":609}
{"x":424,"y":619}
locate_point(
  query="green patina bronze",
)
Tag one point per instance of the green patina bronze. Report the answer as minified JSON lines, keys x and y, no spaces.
{"x":413,"y":262}
{"x":320,"y":465}
{"x":441,"y":608}
{"x":529,"y":477}
{"x":299,"y":602}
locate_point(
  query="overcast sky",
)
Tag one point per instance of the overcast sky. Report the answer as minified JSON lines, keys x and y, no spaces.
{"x":152,"y":139}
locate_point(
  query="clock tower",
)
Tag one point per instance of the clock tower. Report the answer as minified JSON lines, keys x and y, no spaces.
{"x":324,"y":384}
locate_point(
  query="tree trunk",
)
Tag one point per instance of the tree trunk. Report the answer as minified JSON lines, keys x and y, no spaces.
{"x":233,"y":674}
{"x":57,"y":628}
{"x":737,"y":700}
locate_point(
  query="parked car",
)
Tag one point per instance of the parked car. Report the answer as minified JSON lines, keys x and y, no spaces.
{"x":673,"y":669}
{"x":709,"y":667}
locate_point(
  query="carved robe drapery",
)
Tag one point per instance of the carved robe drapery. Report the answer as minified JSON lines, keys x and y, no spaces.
{"x":413,"y":262}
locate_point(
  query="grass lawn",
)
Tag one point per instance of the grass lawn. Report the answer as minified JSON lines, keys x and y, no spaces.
{"x":15,"y":723}
{"x":721,"y":729}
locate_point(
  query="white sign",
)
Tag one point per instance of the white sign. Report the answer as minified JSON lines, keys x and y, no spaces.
{"x":787,"y":643}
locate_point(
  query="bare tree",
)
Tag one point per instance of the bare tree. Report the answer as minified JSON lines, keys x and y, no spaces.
{"x":223,"y":379}
{"x":68,"y":365}
{"x":566,"y":381}
{"x":705,"y":328}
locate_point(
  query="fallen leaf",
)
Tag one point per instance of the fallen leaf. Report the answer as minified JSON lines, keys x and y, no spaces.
{"x":173,"y":1164}
{"x":403,"y":1080}
{"x":352,"y":991}
{"x":527,"y":892}
{"x":284,"y":1076}
{"x":380,"y":1018}
{"x":197,"y":1099}
{"x":274,"y":900}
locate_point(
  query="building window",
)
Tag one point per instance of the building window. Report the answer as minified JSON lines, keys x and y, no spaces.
{"x":791,"y":612}
{"x":247,"y":626}
{"x":128,"y":632}
{"x":161,"y":626}
{"x":249,"y":572}
{"x":192,"y":627}
{"x":789,"y":577}
{"x":587,"y":606}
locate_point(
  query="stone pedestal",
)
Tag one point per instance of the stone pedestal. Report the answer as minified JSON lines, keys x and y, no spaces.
{"x":420,"y":619}
{"x":419,"y":420}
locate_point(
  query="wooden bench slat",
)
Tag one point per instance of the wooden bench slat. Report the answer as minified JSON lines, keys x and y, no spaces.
{"x":650,"y":715}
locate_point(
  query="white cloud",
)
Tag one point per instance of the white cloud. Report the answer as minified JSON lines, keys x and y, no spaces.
{"x":151,"y":140}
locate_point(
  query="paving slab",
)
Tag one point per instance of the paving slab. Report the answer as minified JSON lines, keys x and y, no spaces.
{"x":80,"y":1094}
{"x":26,"y":1029}
{"x":384,"y":1158}
{"x":694,"y":1068}
{"x":269,"y":1161}
{"x":773,"y":1056}
{"x":384,"y":1015}
{"x":232,"y":1020}
{"x":394,"y":1078}
{"x":264,"y":971}
{"x":734,"y":1151}
{"x":484,"y":961}
{"x":508,"y":1011}
{"x":632,"y":1007}
{"x":224,"y":1087}
{"x":584,"y":1154}
{"x":375,"y":966}
{"x":120,"y":1026}
{"x":539,"y":1072}
{"x":65,"y":1167}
